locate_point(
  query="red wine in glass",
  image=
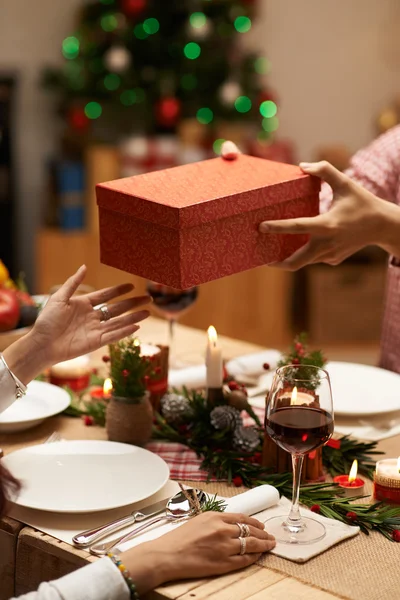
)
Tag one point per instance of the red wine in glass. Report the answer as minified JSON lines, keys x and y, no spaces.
{"x":299,"y":430}
{"x":171,"y":304}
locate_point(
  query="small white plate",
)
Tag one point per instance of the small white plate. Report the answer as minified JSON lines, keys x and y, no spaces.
{"x":42,"y":400}
{"x":251,"y":365}
{"x":85,"y":476}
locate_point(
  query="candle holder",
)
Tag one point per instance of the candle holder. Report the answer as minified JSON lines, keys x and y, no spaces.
{"x":387,"y":481}
{"x":215,"y":396}
{"x":351,"y":488}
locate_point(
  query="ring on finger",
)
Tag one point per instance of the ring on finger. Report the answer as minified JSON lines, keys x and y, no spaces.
{"x":244,"y":530}
{"x":105,"y":313}
{"x":242,"y":541}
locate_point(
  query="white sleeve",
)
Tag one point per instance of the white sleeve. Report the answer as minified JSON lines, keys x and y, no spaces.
{"x":7,"y":388}
{"x":100,"y":580}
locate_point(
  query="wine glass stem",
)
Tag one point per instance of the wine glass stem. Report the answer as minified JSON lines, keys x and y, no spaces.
{"x":171,"y":330}
{"x":294,"y":515}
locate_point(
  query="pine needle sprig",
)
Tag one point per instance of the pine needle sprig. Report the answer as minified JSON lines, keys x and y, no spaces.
{"x":339,"y":460}
{"x":213,"y":503}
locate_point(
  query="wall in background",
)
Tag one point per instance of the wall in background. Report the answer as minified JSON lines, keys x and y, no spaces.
{"x":334,"y":65}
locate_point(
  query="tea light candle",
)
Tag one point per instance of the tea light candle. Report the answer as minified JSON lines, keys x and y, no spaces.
{"x":102,"y":393}
{"x":387,"y":480}
{"x":296,"y":397}
{"x":353,"y":485}
{"x":73,"y":373}
{"x":148,"y":350}
{"x":214,"y":360}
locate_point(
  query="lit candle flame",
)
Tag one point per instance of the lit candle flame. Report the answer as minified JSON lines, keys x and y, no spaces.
{"x":136,"y":342}
{"x":107,"y":387}
{"x":212,"y":334}
{"x":294,"y":396}
{"x":353,"y":471}
{"x":398,"y":464}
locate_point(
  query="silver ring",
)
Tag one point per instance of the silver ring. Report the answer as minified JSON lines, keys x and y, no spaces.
{"x":105,"y":313}
{"x":242,"y":546}
{"x":244,"y":530}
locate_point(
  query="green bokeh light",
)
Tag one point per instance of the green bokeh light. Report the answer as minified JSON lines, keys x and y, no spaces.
{"x":262,"y":65}
{"x":140,"y":94}
{"x":271,"y":124}
{"x":128,"y":97}
{"x":192,"y":50}
{"x":109,"y":22}
{"x":243,"y":104}
{"x":205,"y":115}
{"x":242,"y":24}
{"x":93,"y":110}
{"x":139,"y":32}
{"x":151,"y":26}
{"x":217,"y":145}
{"x":198,"y":20}
{"x":268,"y":108}
{"x":70,"y":47}
{"x":112,"y":81}
{"x":189,"y":81}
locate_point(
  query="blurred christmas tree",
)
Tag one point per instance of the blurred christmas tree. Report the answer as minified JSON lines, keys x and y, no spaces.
{"x":144,"y":65}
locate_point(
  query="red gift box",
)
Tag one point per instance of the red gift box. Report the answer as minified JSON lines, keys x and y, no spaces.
{"x":191,"y":224}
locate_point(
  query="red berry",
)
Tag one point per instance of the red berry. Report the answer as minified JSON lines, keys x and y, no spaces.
{"x":295,"y":361}
{"x":88,"y":420}
{"x":146,"y":378}
{"x":301,"y":352}
{"x":237,"y":481}
{"x":233,"y":386}
{"x":315,"y":508}
{"x":157,"y":370}
{"x":106,"y":359}
{"x":94,"y":371}
{"x":298,"y":346}
{"x":396,"y":535}
{"x":266,"y":366}
{"x":351,"y":515}
{"x":125,"y":373}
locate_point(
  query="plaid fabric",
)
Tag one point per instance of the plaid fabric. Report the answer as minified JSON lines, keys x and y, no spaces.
{"x":183,"y":463}
{"x":377,"y":168}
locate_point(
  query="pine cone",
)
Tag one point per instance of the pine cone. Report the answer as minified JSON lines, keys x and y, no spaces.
{"x":225,"y":417}
{"x":175,"y":408}
{"x":246,"y":439}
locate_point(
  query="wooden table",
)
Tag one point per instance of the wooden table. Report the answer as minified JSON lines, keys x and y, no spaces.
{"x":28,"y":557}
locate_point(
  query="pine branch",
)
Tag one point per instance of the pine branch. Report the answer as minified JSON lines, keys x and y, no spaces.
{"x":339,"y":460}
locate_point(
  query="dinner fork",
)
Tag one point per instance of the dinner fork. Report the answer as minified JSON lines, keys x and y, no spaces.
{"x":54,"y":437}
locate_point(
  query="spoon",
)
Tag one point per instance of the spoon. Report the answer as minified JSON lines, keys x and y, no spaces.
{"x":178,"y":508}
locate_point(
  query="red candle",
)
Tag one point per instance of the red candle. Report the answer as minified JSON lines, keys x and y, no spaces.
{"x":96,"y":393}
{"x":102,"y":393}
{"x":352,"y":485}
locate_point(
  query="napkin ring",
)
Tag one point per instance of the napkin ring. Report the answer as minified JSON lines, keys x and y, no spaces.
{"x":242,"y":546}
{"x":244,"y":530}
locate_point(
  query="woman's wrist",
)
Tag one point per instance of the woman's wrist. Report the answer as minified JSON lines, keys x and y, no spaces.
{"x":25,"y":359}
{"x":148,"y":567}
{"x":390,"y":230}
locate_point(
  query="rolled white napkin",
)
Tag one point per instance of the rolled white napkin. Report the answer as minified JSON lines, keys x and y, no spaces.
{"x":191,"y":377}
{"x":252,"y":364}
{"x":254,"y":500}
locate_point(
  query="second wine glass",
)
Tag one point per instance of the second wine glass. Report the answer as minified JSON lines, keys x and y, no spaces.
{"x":299,"y":419}
{"x":171,"y":304}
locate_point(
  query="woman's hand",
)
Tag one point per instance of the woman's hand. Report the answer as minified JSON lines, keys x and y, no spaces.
{"x":207,"y":545}
{"x":70,"y":326}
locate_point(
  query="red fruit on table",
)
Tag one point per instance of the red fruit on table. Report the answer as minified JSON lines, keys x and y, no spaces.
{"x":9,"y":310}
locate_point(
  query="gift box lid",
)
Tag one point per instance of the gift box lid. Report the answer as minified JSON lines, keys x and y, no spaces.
{"x":201,"y":192}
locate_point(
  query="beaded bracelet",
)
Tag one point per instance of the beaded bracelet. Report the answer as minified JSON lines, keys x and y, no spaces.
{"x":126,"y":575}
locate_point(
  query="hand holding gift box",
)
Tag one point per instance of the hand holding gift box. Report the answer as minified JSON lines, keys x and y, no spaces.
{"x":199,"y":222}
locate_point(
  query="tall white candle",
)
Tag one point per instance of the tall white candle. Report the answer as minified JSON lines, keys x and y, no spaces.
{"x":214,"y":360}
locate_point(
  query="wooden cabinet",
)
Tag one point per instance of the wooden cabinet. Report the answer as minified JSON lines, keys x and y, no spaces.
{"x":253,"y":306}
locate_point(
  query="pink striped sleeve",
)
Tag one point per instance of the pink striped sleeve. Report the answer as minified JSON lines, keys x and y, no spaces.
{"x":376,"y":167}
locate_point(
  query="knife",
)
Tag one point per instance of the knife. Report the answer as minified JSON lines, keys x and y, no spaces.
{"x":86,"y":538}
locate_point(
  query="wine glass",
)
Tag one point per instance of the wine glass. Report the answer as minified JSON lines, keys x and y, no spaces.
{"x":299,"y":418}
{"x":171,"y":304}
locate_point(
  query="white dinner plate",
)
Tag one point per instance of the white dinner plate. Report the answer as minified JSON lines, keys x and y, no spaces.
{"x":363,"y":390}
{"x":42,"y":400}
{"x":85,"y":476}
{"x":356,"y":389}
